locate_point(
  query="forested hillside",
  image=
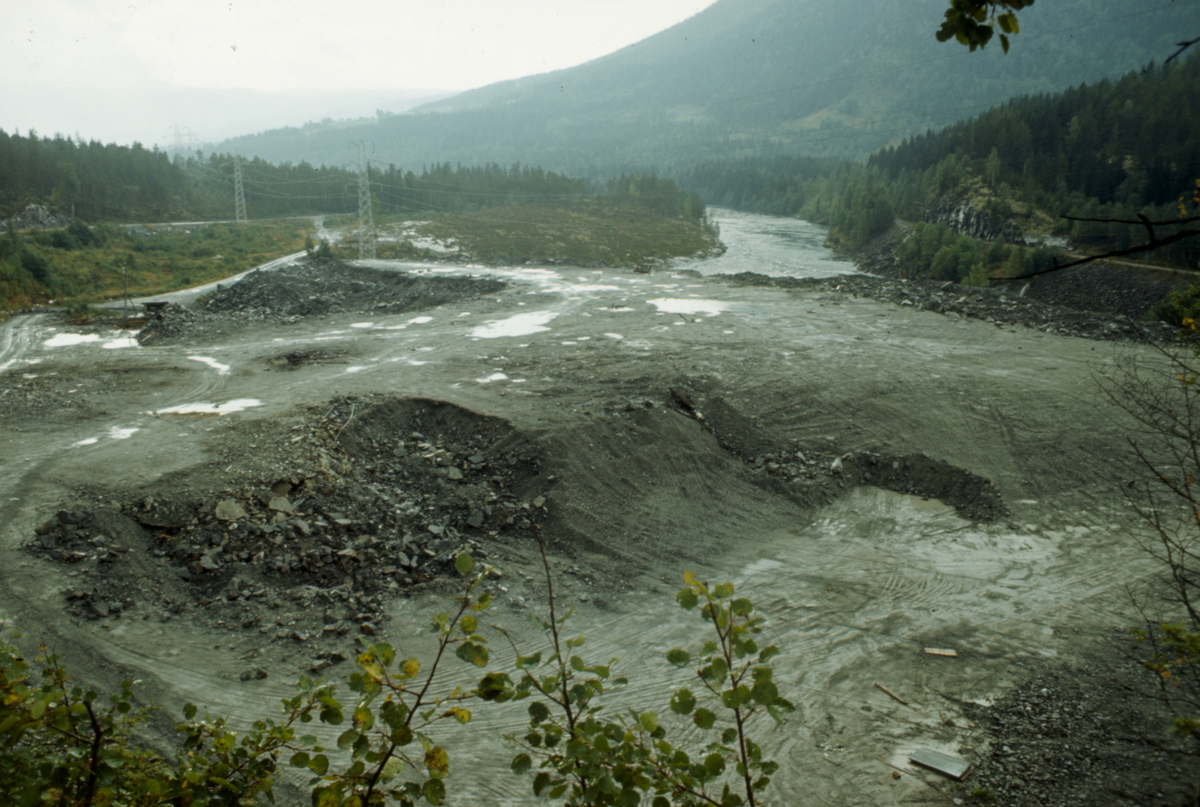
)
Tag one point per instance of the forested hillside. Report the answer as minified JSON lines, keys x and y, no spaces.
{"x":1110,"y":150}
{"x":755,"y":78}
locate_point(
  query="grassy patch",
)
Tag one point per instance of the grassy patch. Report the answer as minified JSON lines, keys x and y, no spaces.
{"x":154,"y":260}
{"x":586,"y":234}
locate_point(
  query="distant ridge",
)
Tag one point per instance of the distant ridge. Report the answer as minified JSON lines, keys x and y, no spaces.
{"x":756,"y":77}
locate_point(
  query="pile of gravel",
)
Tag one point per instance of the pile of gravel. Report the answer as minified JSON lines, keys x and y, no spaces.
{"x":998,"y":305}
{"x":377,"y":498}
{"x":1091,"y":734}
{"x":311,"y":289}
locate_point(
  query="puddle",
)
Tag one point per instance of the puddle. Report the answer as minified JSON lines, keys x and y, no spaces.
{"x":113,"y":341}
{"x":223,"y":369}
{"x":517,"y":325}
{"x":229,"y":407}
{"x":761,"y":566}
{"x":675,"y":305}
{"x":69,"y":339}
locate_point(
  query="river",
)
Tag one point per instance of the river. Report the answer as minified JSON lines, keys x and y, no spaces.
{"x":778,"y":246}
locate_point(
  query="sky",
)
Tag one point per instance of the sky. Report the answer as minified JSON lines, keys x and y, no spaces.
{"x":119,"y":71}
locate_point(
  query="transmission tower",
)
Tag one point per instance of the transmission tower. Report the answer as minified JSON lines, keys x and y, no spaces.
{"x":239,"y":198}
{"x":366,"y":220}
{"x":180,"y":135}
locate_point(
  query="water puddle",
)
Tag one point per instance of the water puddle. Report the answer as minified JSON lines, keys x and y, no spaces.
{"x":517,"y":325}
{"x":227,"y":408}
{"x":675,"y":305}
{"x":113,"y":341}
{"x":222,"y":369}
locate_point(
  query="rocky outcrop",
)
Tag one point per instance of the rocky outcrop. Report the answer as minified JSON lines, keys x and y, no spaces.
{"x":965,"y":218}
{"x":36,"y":217}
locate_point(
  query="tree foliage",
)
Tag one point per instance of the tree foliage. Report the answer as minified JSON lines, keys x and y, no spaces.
{"x":974,"y":22}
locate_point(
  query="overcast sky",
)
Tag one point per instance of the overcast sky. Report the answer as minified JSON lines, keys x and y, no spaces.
{"x":108,"y":70}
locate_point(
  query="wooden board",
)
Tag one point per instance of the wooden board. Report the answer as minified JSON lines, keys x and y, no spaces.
{"x":954,"y":767}
{"x":937,"y":651}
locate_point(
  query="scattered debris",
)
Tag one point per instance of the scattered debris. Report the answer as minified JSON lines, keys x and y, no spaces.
{"x":893,"y":695}
{"x":954,"y":767}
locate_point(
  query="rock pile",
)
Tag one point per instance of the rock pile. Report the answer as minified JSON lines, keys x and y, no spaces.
{"x":1079,"y":737}
{"x":964,"y":217}
{"x":330,"y":287}
{"x":36,"y":217}
{"x":998,"y":305}
{"x":974,"y":497}
{"x":312,"y":288}
{"x":397,"y":490}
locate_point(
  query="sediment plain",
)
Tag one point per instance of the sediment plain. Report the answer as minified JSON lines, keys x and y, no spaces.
{"x":878,"y":479}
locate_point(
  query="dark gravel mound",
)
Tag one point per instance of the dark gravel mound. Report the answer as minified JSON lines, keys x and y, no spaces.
{"x":357,"y":502}
{"x":327,"y":287}
{"x":999,"y":305}
{"x":1090,"y":734}
{"x":311,"y":289}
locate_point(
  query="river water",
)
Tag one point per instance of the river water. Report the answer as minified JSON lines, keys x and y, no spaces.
{"x":778,"y":246}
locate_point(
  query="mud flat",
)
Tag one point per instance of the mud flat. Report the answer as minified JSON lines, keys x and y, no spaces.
{"x":236,"y":501}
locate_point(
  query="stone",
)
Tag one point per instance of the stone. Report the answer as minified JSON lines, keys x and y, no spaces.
{"x":229,"y":510}
{"x":282,"y":505}
{"x":453,"y":473}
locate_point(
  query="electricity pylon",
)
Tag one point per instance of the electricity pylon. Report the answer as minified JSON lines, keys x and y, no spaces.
{"x":366,"y":220}
{"x":239,"y":198}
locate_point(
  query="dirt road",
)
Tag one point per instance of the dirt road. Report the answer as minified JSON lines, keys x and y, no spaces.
{"x":579,"y":375}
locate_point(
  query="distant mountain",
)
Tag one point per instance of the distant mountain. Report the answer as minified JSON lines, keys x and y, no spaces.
{"x":756,"y":77}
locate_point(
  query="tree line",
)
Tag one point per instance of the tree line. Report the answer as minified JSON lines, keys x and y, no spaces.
{"x":1110,"y":150}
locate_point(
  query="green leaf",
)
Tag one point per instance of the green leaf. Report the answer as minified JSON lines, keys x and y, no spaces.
{"x":434,"y":791}
{"x":741,"y":606}
{"x":521,"y":764}
{"x":469,"y":624}
{"x":687,"y":599}
{"x":678,"y":657}
{"x":723,"y":590}
{"x":189,"y":711}
{"x":363,"y":718}
{"x":538,"y":713}
{"x":463,"y":564}
{"x":577,"y":664}
{"x":300,"y":759}
{"x":683,"y":702}
{"x":714,"y":765}
{"x":704,"y":718}
{"x":649,"y":721}
{"x":467,"y":652}
{"x":540,"y":782}
{"x":326,"y":797}
{"x":764,"y":692}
